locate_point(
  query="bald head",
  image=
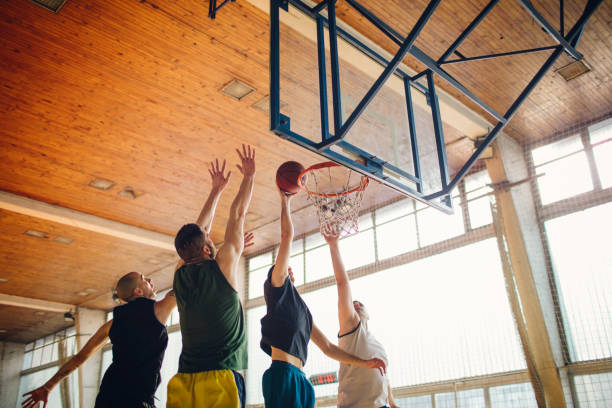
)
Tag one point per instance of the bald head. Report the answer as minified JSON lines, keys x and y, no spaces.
{"x":126,"y":285}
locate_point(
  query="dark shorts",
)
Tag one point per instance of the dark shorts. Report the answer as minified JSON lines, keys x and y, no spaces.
{"x":285,"y":385}
{"x":125,"y":403}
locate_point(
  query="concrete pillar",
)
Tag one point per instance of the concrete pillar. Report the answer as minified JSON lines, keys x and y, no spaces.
{"x":516,"y":206}
{"x":10,"y":367}
{"x":88,"y":321}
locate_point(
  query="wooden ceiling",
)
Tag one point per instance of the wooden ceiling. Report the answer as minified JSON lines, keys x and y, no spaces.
{"x":128,"y":90}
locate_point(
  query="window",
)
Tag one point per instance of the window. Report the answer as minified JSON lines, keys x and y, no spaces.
{"x":422,"y":401}
{"x":479,"y":203}
{"x":258,"y":360}
{"x":461,"y":399}
{"x":513,"y":396}
{"x":580,"y":251}
{"x":565,"y":167}
{"x":435,"y":226}
{"x":601,"y":138}
{"x":594,"y":390}
{"x":258,"y":271}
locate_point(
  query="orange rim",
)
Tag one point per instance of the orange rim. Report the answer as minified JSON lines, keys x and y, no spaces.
{"x":365,"y":180}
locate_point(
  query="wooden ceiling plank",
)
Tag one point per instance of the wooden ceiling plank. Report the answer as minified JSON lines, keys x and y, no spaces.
{"x":32,"y":208}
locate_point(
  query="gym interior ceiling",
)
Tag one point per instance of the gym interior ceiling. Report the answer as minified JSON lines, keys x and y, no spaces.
{"x":129,"y":91}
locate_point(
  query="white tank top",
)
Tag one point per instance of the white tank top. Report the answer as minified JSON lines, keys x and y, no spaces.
{"x":361,"y":387}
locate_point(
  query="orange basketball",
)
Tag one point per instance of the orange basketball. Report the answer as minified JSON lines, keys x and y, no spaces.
{"x":287,"y":177}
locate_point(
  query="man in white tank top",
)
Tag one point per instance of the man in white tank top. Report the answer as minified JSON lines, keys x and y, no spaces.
{"x":358,"y":387}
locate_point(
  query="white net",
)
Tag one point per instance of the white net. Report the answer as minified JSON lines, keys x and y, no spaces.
{"x":336,"y":192}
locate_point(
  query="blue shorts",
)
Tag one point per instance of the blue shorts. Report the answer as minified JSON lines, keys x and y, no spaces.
{"x":284,"y":385}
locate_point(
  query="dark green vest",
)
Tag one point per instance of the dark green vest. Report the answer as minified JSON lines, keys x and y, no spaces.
{"x":212,"y":322}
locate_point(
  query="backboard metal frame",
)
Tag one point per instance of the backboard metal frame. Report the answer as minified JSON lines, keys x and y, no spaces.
{"x":369,"y":164}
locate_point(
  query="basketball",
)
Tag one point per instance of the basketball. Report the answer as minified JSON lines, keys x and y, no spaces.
{"x":287,"y":177}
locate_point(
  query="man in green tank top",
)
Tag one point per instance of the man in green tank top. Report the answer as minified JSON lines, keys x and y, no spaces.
{"x":211,"y":317}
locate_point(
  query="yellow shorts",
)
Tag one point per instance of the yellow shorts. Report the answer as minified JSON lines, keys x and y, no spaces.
{"x":207,"y":389}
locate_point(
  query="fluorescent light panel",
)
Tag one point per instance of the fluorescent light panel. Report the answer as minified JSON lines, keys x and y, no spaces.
{"x":63,"y":240}
{"x":36,"y":234}
{"x":53,"y":5}
{"x":101,"y":184}
{"x":237,"y":89}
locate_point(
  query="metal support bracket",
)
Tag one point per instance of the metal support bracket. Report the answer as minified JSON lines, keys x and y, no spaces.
{"x":370,"y":165}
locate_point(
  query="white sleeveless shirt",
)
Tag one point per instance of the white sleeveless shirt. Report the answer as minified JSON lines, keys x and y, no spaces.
{"x":361,"y":387}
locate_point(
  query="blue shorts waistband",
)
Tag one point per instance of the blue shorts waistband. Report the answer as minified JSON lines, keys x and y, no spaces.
{"x":283,"y":365}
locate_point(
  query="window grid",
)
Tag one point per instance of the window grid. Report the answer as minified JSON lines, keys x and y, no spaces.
{"x":310,"y":244}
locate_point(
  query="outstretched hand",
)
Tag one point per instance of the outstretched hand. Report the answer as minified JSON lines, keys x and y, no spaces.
{"x":219,"y":180}
{"x":247,"y":157}
{"x":40,"y":394}
{"x":377,"y":363}
{"x":248,"y":239}
{"x":331,"y":233}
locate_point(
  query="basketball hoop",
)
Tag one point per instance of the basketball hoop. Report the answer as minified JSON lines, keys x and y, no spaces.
{"x":336,"y":192}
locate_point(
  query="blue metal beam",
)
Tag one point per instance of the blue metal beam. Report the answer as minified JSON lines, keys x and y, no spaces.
{"x":468,"y":30}
{"x":378,"y":84}
{"x":413,"y":137}
{"x":438,"y":130}
{"x":574,"y":34}
{"x":509,"y":114}
{"x":274,"y":65}
{"x":335,"y":68}
{"x":322,"y":79}
{"x":550,"y":29}
{"x":501,"y":54}
{"x":433,"y":65}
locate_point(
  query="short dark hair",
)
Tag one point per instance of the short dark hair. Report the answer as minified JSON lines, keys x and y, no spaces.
{"x":126,"y":285}
{"x":189,"y":242}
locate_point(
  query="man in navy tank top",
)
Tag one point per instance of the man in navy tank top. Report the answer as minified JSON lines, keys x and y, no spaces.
{"x":137,"y":331}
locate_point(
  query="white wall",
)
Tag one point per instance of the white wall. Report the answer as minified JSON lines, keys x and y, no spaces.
{"x":10,"y":367}
{"x":87,"y":323}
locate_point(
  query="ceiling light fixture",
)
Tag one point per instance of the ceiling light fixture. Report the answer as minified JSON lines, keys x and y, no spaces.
{"x":63,"y":240}
{"x":91,"y":290}
{"x":3,"y":280}
{"x":129,"y":193}
{"x":101,"y":184}
{"x":237,"y":89}
{"x":36,"y":234}
{"x":82,"y":293}
{"x":53,"y":5}
{"x":573,"y":70}
{"x":2,"y":331}
{"x":39,"y":313}
{"x":69,"y":317}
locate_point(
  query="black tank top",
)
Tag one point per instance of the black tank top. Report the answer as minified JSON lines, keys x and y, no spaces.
{"x":139,"y":342}
{"x":287,"y":324}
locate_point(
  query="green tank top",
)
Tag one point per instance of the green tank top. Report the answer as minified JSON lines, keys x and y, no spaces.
{"x":212,"y":322}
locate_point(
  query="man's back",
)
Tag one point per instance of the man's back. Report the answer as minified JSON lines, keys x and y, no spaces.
{"x":139,"y":342}
{"x":211,"y":317}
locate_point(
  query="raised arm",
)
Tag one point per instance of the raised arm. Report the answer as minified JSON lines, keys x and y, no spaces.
{"x":334,"y":352}
{"x":233,"y":243}
{"x":347,"y":316}
{"x":163,"y":308}
{"x":281,"y":266}
{"x":42,"y":394}
{"x":219,"y":182}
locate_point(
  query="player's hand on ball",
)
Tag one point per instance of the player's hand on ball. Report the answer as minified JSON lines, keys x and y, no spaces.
{"x":247,"y":157}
